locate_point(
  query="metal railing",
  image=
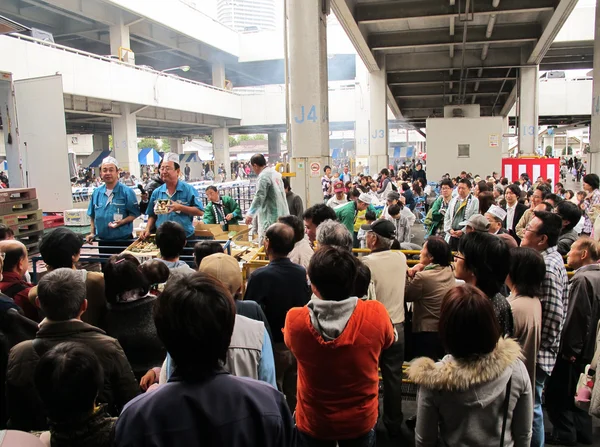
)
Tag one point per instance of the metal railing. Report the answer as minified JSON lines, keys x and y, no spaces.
{"x":66,"y":49}
{"x":101,"y":258}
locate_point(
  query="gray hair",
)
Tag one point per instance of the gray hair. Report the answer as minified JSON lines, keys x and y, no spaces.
{"x":383,"y":243}
{"x":61,"y":293}
{"x":334,"y":233}
{"x":499,"y":189}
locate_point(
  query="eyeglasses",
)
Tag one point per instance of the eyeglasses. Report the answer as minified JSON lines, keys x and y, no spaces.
{"x":166,"y":168}
{"x":458,"y":257}
{"x":528,"y":229}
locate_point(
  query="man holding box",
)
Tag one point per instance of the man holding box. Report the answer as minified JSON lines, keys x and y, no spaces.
{"x":174,"y":200}
{"x":113,"y":207}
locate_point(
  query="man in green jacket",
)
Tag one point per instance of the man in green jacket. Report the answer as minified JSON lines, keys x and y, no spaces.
{"x":347,"y":213}
{"x":220,"y":210}
{"x":438,"y":210}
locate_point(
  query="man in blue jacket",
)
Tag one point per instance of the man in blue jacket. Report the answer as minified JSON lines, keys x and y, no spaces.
{"x":113,"y":207}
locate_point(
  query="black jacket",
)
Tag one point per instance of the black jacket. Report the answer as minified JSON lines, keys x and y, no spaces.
{"x":579,"y":332}
{"x":419,"y":174}
{"x":223,"y":410}
{"x":277,"y":288}
{"x":133,"y":325}
{"x":24,"y":405}
{"x":519,"y":211}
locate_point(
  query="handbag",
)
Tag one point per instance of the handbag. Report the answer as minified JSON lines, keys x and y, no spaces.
{"x":583,"y":391}
{"x":506,"y":402}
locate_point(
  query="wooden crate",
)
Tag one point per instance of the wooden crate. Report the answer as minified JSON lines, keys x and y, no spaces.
{"x":17,"y":194}
{"x":31,"y":237}
{"x":19,"y":206}
{"x":27,"y":228}
{"x":25,"y":217}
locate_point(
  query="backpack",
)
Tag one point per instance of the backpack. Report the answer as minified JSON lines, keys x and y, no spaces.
{"x":394,"y":187}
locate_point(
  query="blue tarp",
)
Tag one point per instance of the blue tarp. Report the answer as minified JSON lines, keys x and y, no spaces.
{"x":336,"y":153}
{"x":403,"y":151}
{"x":95,"y":159}
{"x":148,"y":156}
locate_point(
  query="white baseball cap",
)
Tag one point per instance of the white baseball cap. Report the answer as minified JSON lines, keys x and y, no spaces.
{"x":497,"y":212}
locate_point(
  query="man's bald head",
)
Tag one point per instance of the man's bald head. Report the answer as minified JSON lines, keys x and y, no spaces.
{"x":280,"y":239}
{"x":15,"y":256}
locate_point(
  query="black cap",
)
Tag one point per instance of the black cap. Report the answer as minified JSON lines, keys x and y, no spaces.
{"x":381,"y":227}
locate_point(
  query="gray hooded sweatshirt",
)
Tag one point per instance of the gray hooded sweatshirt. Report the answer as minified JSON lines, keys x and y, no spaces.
{"x":466,"y":399}
{"x":329,"y":318}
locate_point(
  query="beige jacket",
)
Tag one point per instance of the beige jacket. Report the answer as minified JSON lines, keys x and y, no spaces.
{"x":595,"y":403}
{"x":527,"y":316}
{"x":388,"y":273}
{"x":426,"y":290}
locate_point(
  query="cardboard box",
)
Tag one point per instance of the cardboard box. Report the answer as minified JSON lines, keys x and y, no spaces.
{"x":76,"y":218}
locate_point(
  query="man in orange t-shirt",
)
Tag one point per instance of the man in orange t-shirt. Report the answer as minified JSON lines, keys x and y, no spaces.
{"x":337,"y":340}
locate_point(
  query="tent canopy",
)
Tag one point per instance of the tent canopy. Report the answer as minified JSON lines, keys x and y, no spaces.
{"x":149,"y":156}
{"x":94,"y":160}
{"x":189,"y":158}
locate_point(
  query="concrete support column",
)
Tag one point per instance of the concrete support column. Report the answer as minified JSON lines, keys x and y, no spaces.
{"x":221,"y":151}
{"x":362,"y":108}
{"x":274,"y":147}
{"x":125,"y":141}
{"x":528,"y":110}
{"x":505,"y":140}
{"x":100,"y":142}
{"x":594,"y":157}
{"x":378,"y":155}
{"x":176,"y":145}
{"x":119,"y":38}
{"x":218,"y":74}
{"x":309,"y":105}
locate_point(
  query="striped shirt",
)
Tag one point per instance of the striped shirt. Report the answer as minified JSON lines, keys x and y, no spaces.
{"x":554,"y":299}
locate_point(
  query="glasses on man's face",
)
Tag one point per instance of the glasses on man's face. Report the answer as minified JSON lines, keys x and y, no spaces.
{"x":529,"y":230}
{"x":458,"y":257}
{"x":166,"y":168}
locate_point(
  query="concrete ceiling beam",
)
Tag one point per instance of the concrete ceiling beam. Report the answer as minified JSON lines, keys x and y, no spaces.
{"x":437,"y":61}
{"x":491,"y":75}
{"x":436,"y":90}
{"x":343,"y":12}
{"x":439,"y":37}
{"x":416,"y":9}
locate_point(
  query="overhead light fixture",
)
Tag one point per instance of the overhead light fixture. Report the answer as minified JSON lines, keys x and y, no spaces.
{"x":182,"y":68}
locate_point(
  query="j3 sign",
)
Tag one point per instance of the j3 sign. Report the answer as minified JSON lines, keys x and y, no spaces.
{"x":378,"y":134}
{"x":312,"y":115}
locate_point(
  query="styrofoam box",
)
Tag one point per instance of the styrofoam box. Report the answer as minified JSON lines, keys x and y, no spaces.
{"x":76,"y":218}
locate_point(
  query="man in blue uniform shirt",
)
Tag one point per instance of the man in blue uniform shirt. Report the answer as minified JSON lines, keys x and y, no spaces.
{"x":175,"y":200}
{"x":113,"y":207}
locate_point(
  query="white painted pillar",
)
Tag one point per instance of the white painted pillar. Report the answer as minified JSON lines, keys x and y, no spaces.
{"x":100,"y":142}
{"x":505,"y":140}
{"x":125,"y":141}
{"x":528,"y":110}
{"x":378,"y":130}
{"x":594,"y":156}
{"x":119,"y":38}
{"x":309,"y":106}
{"x":218,"y":74}
{"x":221,"y":150}
{"x":362,"y":107}
{"x":176,"y":145}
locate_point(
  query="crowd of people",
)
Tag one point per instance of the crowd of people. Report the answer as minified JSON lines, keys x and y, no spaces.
{"x":165,"y":353}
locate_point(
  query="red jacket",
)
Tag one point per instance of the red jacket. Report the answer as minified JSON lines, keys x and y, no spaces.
{"x":14,"y":286}
{"x":338,"y":380}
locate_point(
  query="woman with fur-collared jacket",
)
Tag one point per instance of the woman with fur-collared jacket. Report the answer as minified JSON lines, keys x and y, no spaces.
{"x":467,"y":394}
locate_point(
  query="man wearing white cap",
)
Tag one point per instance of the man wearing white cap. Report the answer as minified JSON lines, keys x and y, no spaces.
{"x":113,"y":207}
{"x":174,"y":200}
{"x":348,"y":213}
{"x":496,"y":215}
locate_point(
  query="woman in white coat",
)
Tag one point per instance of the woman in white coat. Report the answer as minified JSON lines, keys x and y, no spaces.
{"x":479,"y":394}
